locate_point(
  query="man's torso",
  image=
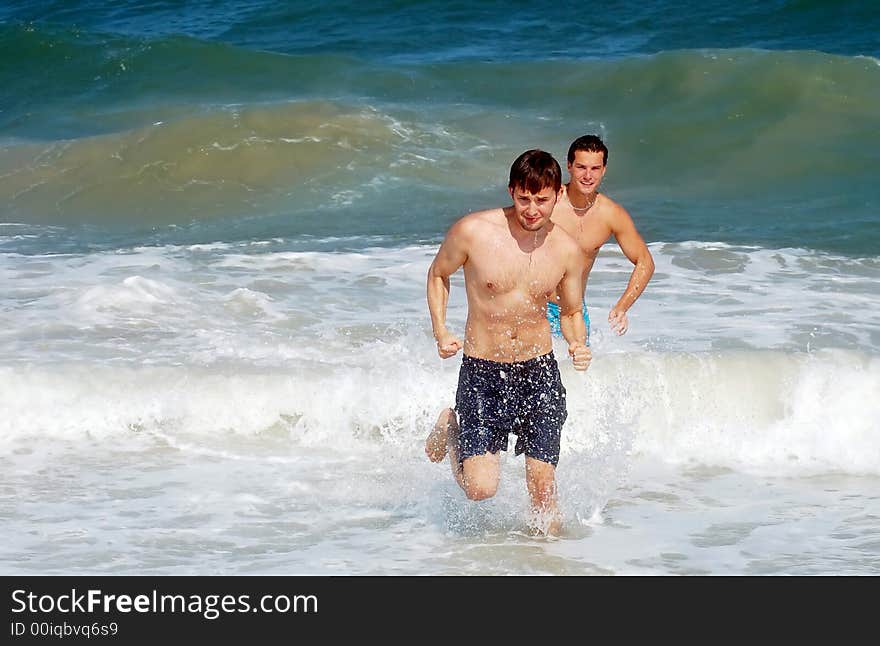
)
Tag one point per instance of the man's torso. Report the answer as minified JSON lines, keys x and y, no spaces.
{"x":590,"y":230}
{"x":508,"y":284}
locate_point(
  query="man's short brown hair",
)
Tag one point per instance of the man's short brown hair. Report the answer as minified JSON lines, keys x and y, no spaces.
{"x":534,"y":171}
{"x":589,"y":144}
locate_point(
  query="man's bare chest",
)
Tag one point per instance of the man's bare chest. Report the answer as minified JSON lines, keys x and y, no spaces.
{"x":506,"y":270}
{"x":589,"y":232}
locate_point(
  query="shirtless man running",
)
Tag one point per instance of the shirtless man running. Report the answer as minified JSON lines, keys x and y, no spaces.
{"x":592,"y":218}
{"x":515,"y":259}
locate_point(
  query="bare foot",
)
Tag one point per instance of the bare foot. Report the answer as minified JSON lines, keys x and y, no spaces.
{"x":436,"y":445}
{"x":545,"y":523}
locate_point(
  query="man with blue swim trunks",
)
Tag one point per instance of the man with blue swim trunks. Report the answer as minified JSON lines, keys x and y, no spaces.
{"x":592,"y":218}
{"x":514,"y":260}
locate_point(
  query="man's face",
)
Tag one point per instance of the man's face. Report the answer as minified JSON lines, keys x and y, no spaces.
{"x":533,"y":210}
{"x":586,"y":171}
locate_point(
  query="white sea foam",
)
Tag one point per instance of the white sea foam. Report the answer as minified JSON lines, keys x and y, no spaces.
{"x":747,"y":410}
{"x":274,"y":305}
{"x":737,"y":356}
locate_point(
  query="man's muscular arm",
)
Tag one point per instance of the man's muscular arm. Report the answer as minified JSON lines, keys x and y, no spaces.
{"x":634,"y":248}
{"x":451,"y":255}
{"x":571,"y":320}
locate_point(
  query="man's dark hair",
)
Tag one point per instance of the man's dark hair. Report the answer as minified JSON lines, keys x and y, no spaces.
{"x":589,"y":144}
{"x":534,"y":171}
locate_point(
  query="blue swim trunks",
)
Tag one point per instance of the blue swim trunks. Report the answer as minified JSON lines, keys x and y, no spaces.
{"x":553,"y":317}
{"x":525,"y":397}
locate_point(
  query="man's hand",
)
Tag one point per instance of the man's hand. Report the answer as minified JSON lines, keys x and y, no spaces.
{"x":580,"y":355}
{"x":617,"y":319}
{"x":447,"y":345}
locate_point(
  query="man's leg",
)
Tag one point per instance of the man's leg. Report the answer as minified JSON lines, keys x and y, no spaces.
{"x":541,"y":482}
{"x":438,"y":439}
{"x":477,"y":475}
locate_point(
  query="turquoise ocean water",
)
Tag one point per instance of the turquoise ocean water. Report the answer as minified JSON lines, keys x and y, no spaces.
{"x":215,"y":222}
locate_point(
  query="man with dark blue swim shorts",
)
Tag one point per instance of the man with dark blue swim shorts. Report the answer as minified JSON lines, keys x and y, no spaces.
{"x":514,"y":259}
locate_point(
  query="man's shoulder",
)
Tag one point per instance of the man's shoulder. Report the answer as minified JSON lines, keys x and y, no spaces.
{"x":612,"y":209}
{"x":478,"y":220}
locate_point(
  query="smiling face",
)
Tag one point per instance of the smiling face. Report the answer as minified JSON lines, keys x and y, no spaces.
{"x":586,"y":171}
{"x":532,"y":210}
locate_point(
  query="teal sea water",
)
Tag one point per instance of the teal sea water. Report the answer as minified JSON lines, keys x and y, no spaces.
{"x":215,"y":222}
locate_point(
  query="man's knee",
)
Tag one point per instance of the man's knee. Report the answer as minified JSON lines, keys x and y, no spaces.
{"x":480,"y":490}
{"x":480,"y":477}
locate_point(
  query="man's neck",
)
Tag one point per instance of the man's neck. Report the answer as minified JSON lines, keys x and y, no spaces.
{"x":580,"y":201}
